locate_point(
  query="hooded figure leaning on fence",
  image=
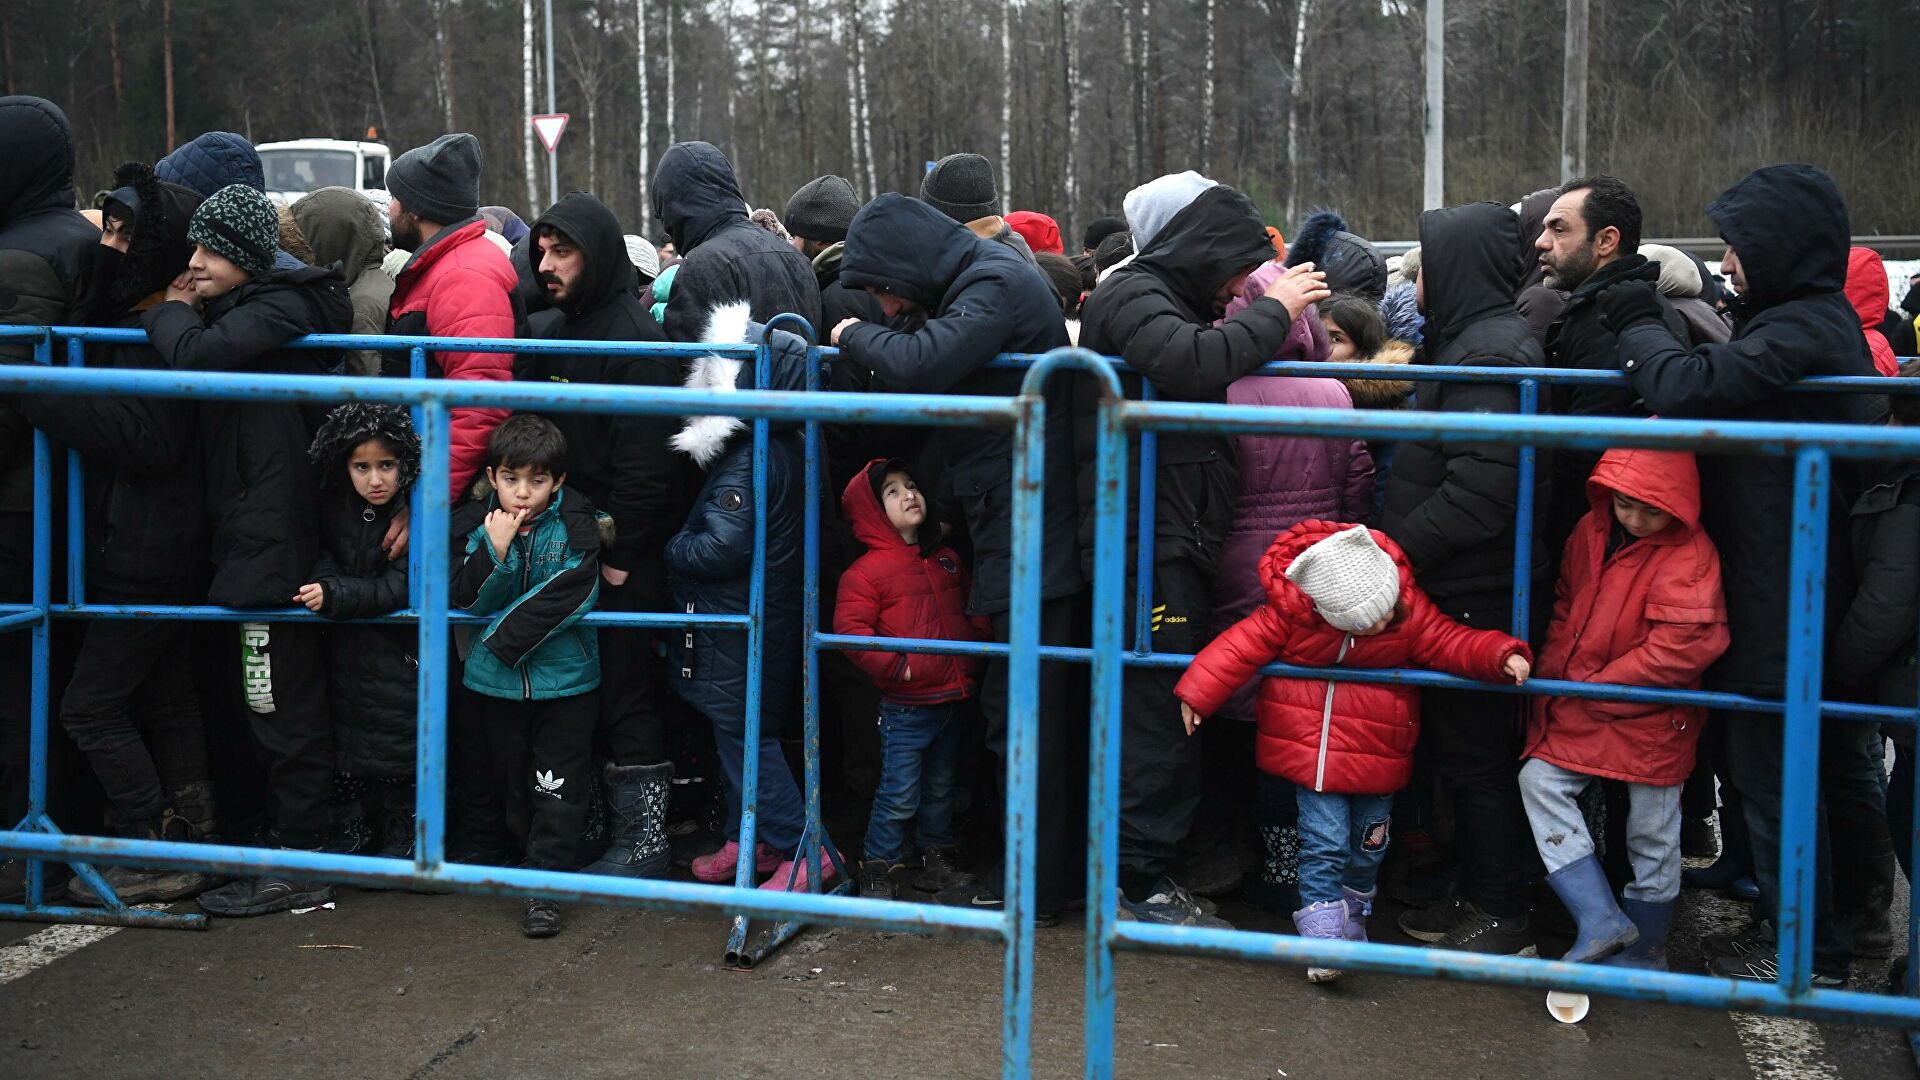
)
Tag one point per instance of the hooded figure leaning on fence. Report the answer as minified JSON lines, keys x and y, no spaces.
{"x":1340,"y":596}
{"x":369,"y":457}
{"x":710,"y":564}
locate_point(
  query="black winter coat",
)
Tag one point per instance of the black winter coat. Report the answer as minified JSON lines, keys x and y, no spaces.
{"x":622,"y":463}
{"x":1157,"y":313}
{"x":1451,"y":506}
{"x":47,"y":253}
{"x":1579,"y":341}
{"x":261,"y":491}
{"x":371,"y":685}
{"x":1870,"y":652}
{"x":1788,"y":224}
{"x":726,"y":257}
{"x":710,"y":560}
{"x":981,"y":299}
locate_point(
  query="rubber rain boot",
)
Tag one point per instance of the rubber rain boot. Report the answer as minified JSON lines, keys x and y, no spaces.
{"x":1603,"y":929}
{"x":1653,"y":921}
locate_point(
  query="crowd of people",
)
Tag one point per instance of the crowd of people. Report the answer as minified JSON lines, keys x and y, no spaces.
{"x":620,"y":751}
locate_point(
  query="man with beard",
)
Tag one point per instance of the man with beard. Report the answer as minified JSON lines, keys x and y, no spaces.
{"x":625,"y":467}
{"x":456,"y":284}
{"x":1590,"y":240}
{"x":1198,"y":241}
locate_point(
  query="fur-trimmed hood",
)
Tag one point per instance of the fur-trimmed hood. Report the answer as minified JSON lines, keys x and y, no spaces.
{"x":704,"y":437}
{"x":1383,"y":393}
{"x":355,"y":422}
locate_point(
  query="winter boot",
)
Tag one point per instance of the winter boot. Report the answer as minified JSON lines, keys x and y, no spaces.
{"x":1359,"y":906}
{"x":1602,"y":928}
{"x":396,"y":821}
{"x":637,"y":796}
{"x":1323,"y":921}
{"x":940,"y":869}
{"x":1653,"y":920}
{"x":1696,"y":838}
{"x":193,"y":804}
{"x":874,"y":881}
{"x":717,"y":868}
{"x":352,"y":833}
{"x":791,"y":875}
{"x":1277,"y":887}
{"x":141,"y":885}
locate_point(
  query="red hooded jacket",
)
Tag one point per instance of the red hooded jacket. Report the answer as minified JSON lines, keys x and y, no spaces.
{"x":460,"y":285}
{"x":895,"y":591}
{"x":1868,"y":292}
{"x":1652,"y":614}
{"x":1349,"y":738}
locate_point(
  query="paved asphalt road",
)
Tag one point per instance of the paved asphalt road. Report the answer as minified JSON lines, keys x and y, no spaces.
{"x":446,"y":987}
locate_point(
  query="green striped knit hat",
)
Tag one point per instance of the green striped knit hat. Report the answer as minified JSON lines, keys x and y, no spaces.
{"x":239,"y":223}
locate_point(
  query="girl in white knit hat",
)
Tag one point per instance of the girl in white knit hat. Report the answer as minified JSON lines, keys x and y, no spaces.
{"x":1340,"y":596}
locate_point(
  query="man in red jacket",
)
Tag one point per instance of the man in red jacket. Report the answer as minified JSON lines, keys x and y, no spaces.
{"x":907,"y":585}
{"x":457,"y":284}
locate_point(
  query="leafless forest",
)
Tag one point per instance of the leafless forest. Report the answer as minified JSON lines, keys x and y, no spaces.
{"x":1303,"y":103}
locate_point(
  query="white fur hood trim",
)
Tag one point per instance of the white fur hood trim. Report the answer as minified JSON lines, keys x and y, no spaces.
{"x":703,"y":437}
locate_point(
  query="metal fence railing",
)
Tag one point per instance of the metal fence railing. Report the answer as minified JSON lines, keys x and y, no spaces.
{"x":1811,"y":447}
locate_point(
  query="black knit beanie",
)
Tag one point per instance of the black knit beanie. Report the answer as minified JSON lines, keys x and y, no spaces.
{"x":961,"y":187}
{"x":822,"y":209}
{"x":440,"y":181}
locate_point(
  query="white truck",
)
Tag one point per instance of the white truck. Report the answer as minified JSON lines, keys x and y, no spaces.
{"x":303,"y":165}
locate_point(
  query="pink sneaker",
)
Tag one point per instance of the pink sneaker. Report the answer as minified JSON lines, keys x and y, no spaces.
{"x":778,"y":882}
{"x":717,"y":868}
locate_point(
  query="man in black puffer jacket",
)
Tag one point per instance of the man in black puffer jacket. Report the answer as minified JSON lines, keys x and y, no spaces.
{"x":1157,"y":314}
{"x":725,"y":256}
{"x":624,"y":466}
{"x":261,"y":498}
{"x":46,"y":260}
{"x":980,"y":299}
{"x":1452,"y":507}
{"x":1786,"y":230}
{"x":146,"y":544}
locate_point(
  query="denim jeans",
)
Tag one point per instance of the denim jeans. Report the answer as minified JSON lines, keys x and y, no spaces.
{"x":1343,"y":839}
{"x":919,"y":748}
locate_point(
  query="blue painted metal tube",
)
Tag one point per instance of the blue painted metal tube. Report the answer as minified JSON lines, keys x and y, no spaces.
{"x":1706,"y":699}
{"x":207,"y":613}
{"x":152,"y":920}
{"x":811,"y":464}
{"x":1773,"y":438}
{"x":38,"y":695}
{"x":923,"y":410}
{"x":1523,"y":519}
{"x":1023,"y":736}
{"x":1103,"y":777}
{"x":76,"y":502}
{"x":510,"y":881}
{"x":1698,"y":990}
{"x":19,"y":620}
{"x":400,"y":343}
{"x":430,"y":516}
{"x":1800,"y":773}
{"x":743,"y":871}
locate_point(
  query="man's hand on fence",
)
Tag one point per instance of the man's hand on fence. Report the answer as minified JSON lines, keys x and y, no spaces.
{"x":834,"y":338}
{"x":313,"y":595}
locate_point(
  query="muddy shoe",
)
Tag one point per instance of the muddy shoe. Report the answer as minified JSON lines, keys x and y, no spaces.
{"x":139,"y":886}
{"x":940,"y":869}
{"x":1170,"y":905}
{"x":874,"y":882}
{"x":1432,"y":924}
{"x":1479,"y":932}
{"x":541,"y":918}
{"x":264,"y":896}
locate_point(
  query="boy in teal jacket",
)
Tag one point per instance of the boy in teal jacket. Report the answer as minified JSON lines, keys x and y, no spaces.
{"x":531,"y":559}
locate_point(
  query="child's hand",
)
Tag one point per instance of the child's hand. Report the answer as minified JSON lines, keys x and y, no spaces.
{"x":1518,"y":669}
{"x":312,"y":595}
{"x":180,"y":290}
{"x":1190,"y":718}
{"x":501,"y":527}
{"x":399,"y":530}
{"x":906,"y":671}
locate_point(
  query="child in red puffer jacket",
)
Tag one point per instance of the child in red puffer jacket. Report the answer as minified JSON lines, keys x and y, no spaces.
{"x":1340,"y":595}
{"x":908,"y":586}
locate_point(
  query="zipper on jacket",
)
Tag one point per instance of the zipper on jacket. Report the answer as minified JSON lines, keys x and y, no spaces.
{"x":526,"y":582}
{"x":1326,"y":720}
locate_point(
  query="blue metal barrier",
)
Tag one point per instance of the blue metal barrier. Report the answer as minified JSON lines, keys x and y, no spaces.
{"x":1811,"y":446}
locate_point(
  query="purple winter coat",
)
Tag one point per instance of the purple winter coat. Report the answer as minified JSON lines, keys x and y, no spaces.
{"x":1285,"y":480}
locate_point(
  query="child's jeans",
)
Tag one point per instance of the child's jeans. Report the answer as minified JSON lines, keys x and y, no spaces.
{"x":1343,"y":839}
{"x":919,"y":750}
{"x":1560,"y":830}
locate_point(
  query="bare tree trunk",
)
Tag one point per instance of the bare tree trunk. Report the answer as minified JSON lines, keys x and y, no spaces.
{"x":528,"y":107}
{"x":1006,"y":103}
{"x":1293,"y":112}
{"x":1135,"y":85}
{"x":1206,"y":100}
{"x":848,"y":32}
{"x":593,"y":139}
{"x":1150,"y":90}
{"x":119,"y":64}
{"x":1070,"y":76}
{"x":673,"y":102}
{"x":443,"y":72}
{"x":166,"y":30}
{"x":373,"y":62}
{"x":866,"y":114}
{"x":6,"y":48}
{"x":646,"y":118}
